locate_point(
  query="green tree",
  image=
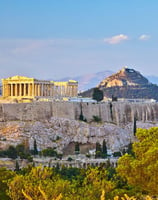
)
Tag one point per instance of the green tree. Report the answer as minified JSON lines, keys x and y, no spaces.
{"x":17,"y":168}
{"x":96,"y":180}
{"x":49,"y":152}
{"x":141,"y":169}
{"x":5,"y":175}
{"x":35,"y":151}
{"x":130,"y":149}
{"x":98,"y":151}
{"x":104,"y":149}
{"x":134,"y":126}
{"x":11,"y":152}
{"x":22,"y":151}
{"x":97,"y":94}
{"x":96,"y":118}
{"x":38,"y":179}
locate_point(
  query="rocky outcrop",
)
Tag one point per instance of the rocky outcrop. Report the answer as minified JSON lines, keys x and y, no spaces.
{"x":56,"y":124}
{"x":127,"y":84}
{"x":60,"y":132}
{"x":125,"y":77}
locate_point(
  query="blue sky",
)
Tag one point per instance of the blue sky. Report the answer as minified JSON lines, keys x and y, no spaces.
{"x":59,"y":38}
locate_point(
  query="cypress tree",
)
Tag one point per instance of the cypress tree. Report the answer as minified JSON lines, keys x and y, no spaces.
{"x":35,"y":151}
{"x":17,"y":168}
{"x":134,"y":126}
{"x":104,"y":149}
{"x":98,"y":151}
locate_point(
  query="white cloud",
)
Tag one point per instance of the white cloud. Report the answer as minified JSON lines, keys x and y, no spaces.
{"x":116,"y":39}
{"x":144,"y":37}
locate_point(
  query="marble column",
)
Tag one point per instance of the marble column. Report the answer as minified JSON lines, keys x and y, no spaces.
{"x":24,"y":89}
{"x":4,"y":90}
{"x":70,"y":90}
{"x":46,"y":90}
{"x":36,"y":89}
{"x":76,"y":90}
{"x":51,"y":90}
{"x":39,"y":92}
{"x":33,"y":89}
{"x":20,"y":87}
{"x":42,"y":91}
{"x":16,"y":89}
{"x":30,"y":89}
{"x":11,"y":89}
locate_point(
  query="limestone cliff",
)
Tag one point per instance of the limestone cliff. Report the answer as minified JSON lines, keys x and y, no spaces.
{"x":60,"y":132}
{"x":110,"y":112}
{"x":56,"y":124}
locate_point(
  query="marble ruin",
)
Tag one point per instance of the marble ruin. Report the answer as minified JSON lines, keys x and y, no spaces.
{"x":21,"y":87}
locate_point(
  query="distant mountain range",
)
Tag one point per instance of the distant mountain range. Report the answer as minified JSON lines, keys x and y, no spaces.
{"x":88,"y":81}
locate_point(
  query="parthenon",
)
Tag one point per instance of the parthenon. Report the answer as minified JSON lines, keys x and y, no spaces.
{"x":21,"y":87}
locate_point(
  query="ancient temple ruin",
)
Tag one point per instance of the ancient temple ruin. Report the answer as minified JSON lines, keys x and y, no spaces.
{"x":21,"y":87}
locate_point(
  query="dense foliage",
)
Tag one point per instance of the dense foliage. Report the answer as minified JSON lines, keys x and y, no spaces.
{"x":20,"y":151}
{"x":141,"y":168}
{"x":97,"y":94}
{"x":136,"y":175}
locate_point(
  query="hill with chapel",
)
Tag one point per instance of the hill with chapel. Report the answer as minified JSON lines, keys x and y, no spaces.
{"x":126,"y":83}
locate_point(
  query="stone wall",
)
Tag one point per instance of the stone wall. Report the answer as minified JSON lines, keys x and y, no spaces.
{"x":114,"y":112}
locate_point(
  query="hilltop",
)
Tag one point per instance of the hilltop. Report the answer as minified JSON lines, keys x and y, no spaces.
{"x":126,"y":83}
{"x":125,"y":77}
{"x":91,"y":80}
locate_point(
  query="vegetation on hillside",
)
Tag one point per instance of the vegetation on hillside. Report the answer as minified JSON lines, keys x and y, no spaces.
{"x":134,"y":178}
{"x":129,"y":92}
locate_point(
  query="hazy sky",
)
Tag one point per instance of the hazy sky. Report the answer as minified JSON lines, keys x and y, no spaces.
{"x":59,"y":38}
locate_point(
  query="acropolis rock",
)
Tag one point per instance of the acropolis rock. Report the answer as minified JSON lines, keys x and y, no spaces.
{"x":56,"y":124}
{"x":59,"y":132}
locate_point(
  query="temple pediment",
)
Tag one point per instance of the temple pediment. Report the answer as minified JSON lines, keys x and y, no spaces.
{"x":17,"y":77}
{"x":72,"y":81}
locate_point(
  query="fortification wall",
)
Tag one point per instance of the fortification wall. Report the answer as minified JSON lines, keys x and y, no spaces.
{"x":115,"y":112}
